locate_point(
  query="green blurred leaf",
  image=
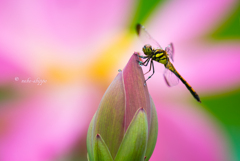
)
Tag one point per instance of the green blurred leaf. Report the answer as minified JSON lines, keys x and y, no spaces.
{"x":134,"y":143}
{"x":101,"y":151}
{"x":7,"y":93}
{"x":144,"y":9}
{"x":226,"y":108}
{"x":230,"y":28}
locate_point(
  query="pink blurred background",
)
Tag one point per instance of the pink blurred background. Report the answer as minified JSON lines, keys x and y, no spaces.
{"x":76,"y":47}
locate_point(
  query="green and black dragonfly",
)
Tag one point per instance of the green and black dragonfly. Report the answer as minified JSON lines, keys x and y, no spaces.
{"x":154,"y":52}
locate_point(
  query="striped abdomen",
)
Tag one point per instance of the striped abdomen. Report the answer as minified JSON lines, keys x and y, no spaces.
{"x":192,"y":91}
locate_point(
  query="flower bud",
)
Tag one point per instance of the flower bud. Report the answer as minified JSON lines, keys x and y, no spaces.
{"x":125,"y":124}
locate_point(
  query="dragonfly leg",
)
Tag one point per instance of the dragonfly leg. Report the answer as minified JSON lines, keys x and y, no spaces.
{"x":144,"y":57}
{"x":149,"y":69}
{"x":153,"y":70}
{"x":147,"y":61}
{"x":152,"y":73}
{"x":143,"y":63}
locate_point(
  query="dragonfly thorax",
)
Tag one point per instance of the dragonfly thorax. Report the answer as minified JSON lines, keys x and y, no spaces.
{"x":160,"y":56}
{"x":147,"y":49}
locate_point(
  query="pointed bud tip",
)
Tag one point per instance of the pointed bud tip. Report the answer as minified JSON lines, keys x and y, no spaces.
{"x":142,"y":110}
{"x":97,"y":136}
{"x":139,"y":58}
{"x":145,"y":158}
{"x":136,"y":53}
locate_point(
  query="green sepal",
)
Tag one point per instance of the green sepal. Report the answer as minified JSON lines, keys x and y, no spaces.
{"x":153,"y":132}
{"x":88,"y":157}
{"x":134,"y":143}
{"x":90,"y":140}
{"x":100,"y":150}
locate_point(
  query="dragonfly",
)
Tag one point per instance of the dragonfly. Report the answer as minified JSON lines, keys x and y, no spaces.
{"x":154,"y":52}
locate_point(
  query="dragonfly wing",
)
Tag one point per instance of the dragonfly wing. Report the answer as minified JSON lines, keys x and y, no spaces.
{"x":170,"y":78}
{"x":146,"y":38}
{"x":170,"y":51}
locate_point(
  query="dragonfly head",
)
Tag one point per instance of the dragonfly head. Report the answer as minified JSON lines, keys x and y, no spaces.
{"x":147,"y":49}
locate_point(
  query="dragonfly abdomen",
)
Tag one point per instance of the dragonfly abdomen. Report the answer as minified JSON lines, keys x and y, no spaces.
{"x":192,"y":91}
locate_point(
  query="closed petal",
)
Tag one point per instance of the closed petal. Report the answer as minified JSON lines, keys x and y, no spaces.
{"x":101,"y":151}
{"x":109,"y":121}
{"x":137,"y":94}
{"x":134,"y":143}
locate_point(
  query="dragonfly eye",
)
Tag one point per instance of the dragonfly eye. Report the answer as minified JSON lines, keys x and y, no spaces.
{"x":147,"y":49}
